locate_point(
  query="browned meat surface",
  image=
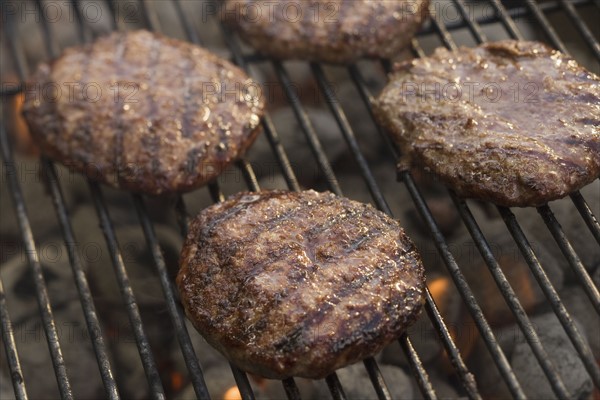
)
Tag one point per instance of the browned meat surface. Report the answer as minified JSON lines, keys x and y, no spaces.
{"x":336,"y":31}
{"x":298,"y":284}
{"x":143,"y":112}
{"x":514,"y":123}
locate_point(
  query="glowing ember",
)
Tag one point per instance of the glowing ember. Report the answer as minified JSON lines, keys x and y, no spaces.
{"x":232,"y":393}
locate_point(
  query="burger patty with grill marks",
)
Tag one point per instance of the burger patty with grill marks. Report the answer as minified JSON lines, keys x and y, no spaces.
{"x":298,"y":284}
{"x":337,"y":31}
{"x":143,"y":112}
{"x":512,"y":122}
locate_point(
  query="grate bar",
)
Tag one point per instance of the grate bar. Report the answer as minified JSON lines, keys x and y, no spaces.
{"x":175,"y":311}
{"x":58,"y":361}
{"x":569,"y":253}
{"x":514,"y":12}
{"x":379,"y":384}
{"x":87,"y":302}
{"x":32,"y":256}
{"x":51,"y":45}
{"x":81,"y":32}
{"x":506,"y":20}
{"x":571,"y":330}
{"x":350,"y":138}
{"x":475,"y":29}
{"x":466,"y":377}
{"x":512,"y":300}
{"x":317,"y":148}
{"x":442,"y":247}
{"x":565,"y":247}
{"x":578,"y":200}
{"x":587,"y":215}
{"x":545,"y":24}
{"x":557,"y":306}
{"x":240,"y":376}
{"x":16,"y":374}
{"x":267,"y":123}
{"x":417,"y":368}
{"x":383,"y":393}
{"x":10,"y":90}
{"x":588,"y":36}
{"x":133,"y":311}
{"x":291,"y":389}
{"x":465,"y":291}
{"x":248,"y":174}
{"x":441,"y":30}
{"x":335,"y":387}
{"x":307,"y":128}
{"x":319,"y":153}
{"x":241,"y":379}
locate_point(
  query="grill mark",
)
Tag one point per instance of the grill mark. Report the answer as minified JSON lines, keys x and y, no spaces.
{"x":308,"y":245}
{"x":154,"y":141}
{"x":364,"y":238}
{"x":86,"y":129}
{"x":186,"y":124}
{"x":194,"y":156}
{"x":269,"y":224}
{"x":121,"y":51}
{"x":343,"y":9}
{"x":589,"y":121}
{"x":546,"y":157}
{"x":232,"y":211}
{"x":310,"y":272}
{"x":344,"y":290}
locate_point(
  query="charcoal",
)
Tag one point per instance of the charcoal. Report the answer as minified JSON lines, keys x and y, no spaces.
{"x":38,"y":201}
{"x":136,"y":256}
{"x":443,"y":389}
{"x":273,"y":181}
{"x":6,"y":387}
{"x":489,"y":380}
{"x":273,"y":389}
{"x":580,"y":307}
{"x":357,"y":384}
{"x":77,"y":351}
{"x":572,"y":224}
{"x":563,"y":355}
{"x":19,"y":284}
{"x":423,"y":338}
{"x":516,"y":271}
{"x":129,"y":371}
{"x":292,"y":137}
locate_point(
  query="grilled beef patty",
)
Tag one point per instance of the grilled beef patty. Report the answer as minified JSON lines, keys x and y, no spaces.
{"x":336,"y":31}
{"x":298,"y":284}
{"x":514,"y":123}
{"x":143,"y":112}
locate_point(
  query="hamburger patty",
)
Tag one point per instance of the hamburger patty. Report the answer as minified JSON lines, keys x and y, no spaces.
{"x":298,"y":284}
{"x":514,"y":123}
{"x":143,"y":112}
{"x":334,"y":31}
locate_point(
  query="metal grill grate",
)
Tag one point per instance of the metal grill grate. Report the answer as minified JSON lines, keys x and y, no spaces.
{"x":504,"y":12}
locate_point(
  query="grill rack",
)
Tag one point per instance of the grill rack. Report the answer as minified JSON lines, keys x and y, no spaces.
{"x":502,"y":15}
